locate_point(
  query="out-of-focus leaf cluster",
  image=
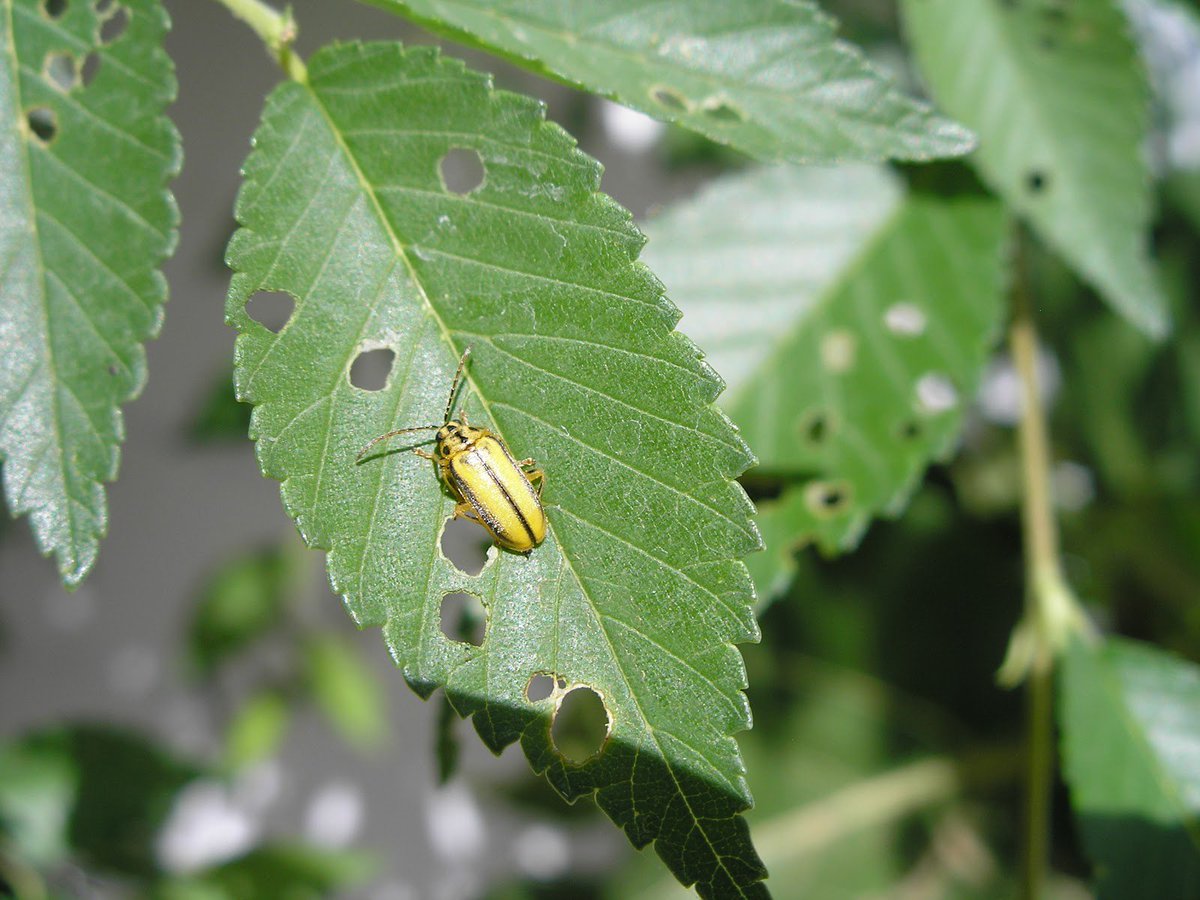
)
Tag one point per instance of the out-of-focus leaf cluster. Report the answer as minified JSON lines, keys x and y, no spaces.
{"x":256,"y":632}
{"x":84,"y":808}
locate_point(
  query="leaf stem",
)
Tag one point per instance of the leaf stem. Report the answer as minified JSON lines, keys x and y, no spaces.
{"x":276,"y":29}
{"x":1052,"y":614}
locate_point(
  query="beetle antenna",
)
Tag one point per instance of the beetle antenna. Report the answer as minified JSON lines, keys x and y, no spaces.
{"x":392,"y":434}
{"x":454,"y":385}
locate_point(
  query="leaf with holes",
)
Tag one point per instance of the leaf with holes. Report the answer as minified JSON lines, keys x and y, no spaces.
{"x":850,"y":321}
{"x":636,"y":595}
{"x":1059,"y":99}
{"x":1130,"y":721}
{"x":768,"y":77}
{"x":785,"y":523}
{"x":85,"y":221}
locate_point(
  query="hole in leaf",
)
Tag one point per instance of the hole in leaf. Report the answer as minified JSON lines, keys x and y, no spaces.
{"x":837,"y":351}
{"x":826,"y":498}
{"x":54,"y":8}
{"x":722,"y":110}
{"x":91,"y":65}
{"x":271,"y":309}
{"x":103,"y":7}
{"x":114,"y":26}
{"x":905,"y":319}
{"x":580,"y":725}
{"x":936,"y":393}
{"x":762,"y":487}
{"x":910,"y":430}
{"x":466,"y":545}
{"x":43,"y":123}
{"x":669,"y":98}
{"x":462,"y":170}
{"x":62,"y":70}
{"x":463,"y":618}
{"x":1036,"y":182}
{"x":539,"y":688}
{"x":371,"y":368}
{"x":816,"y":427}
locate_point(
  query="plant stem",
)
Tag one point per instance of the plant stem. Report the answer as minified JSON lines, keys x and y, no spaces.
{"x":276,"y":29}
{"x":1052,"y":614}
{"x":1039,"y":781}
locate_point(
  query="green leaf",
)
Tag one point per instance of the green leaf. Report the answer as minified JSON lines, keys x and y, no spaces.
{"x":297,"y":872}
{"x":345,"y":691}
{"x":1059,"y":100}
{"x":257,"y":729}
{"x":782,"y":522}
{"x":103,"y":792}
{"x":85,"y":221}
{"x":839,"y":815}
{"x":636,"y":592}
{"x":1130,"y":720}
{"x":221,"y":417}
{"x":242,"y":601}
{"x":447,"y":748}
{"x":37,"y":792}
{"x":851,"y":321}
{"x":768,"y":77}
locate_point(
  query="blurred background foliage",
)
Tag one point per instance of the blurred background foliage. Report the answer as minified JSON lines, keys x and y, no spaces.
{"x":884,"y":758}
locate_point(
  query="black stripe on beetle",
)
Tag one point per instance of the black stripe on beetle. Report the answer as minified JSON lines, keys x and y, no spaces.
{"x":491,"y":473}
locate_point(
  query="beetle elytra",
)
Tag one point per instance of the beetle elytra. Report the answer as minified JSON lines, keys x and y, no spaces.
{"x":490,"y":486}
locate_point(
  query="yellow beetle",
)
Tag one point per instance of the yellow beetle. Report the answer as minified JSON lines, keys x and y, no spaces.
{"x":491,"y":487}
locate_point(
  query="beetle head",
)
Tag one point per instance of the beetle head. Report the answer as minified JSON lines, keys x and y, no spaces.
{"x":454,"y":437}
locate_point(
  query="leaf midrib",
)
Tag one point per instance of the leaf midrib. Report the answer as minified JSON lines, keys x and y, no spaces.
{"x":1009,"y":54}
{"x":715,"y":82}
{"x":830,"y":290}
{"x":402,"y":254}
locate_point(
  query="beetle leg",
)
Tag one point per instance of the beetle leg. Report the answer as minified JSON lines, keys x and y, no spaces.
{"x":465,"y":510}
{"x":537,"y":478}
{"x":424,"y":454}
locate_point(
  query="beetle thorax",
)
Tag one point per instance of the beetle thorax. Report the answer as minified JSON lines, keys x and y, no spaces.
{"x":456,"y":437}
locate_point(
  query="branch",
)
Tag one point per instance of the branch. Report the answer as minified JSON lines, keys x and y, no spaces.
{"x":276,"y":29}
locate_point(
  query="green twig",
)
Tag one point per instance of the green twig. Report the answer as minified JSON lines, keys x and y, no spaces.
{"x":276,"y":29}
{"x":1052,"y":614}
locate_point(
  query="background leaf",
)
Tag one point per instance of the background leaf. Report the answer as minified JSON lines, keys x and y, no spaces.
{"x":257,"y":729}
{"x":851,"y":320}
{"x":1130,"y":720}
{"x":345,"y":691}
{"x":768,"y":77}
{"x":85,"y":221}
{"x":242,"y":601}
{"x":1058,"y":98}
{"x":220,"y":417}
{"x":99,"y":793}
{"x":636,"y":592}
{"x":298,"y":872}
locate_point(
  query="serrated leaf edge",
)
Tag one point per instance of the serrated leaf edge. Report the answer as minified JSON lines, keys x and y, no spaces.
{"x":245,"y":395}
